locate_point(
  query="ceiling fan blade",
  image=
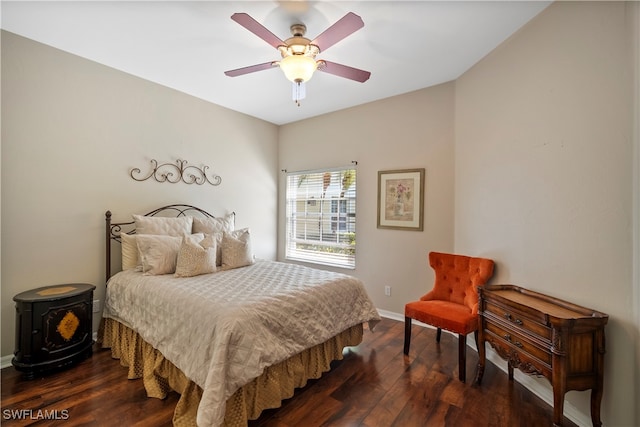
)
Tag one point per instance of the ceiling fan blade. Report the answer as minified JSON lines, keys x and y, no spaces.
{"x":250,"y":69}
{"x":344,"y":71}
{"x":257,"y":28}
{"x":348,"y":24}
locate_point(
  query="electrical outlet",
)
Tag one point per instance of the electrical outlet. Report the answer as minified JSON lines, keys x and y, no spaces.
{"x":387,"y":291}
{"x":96,"y":306}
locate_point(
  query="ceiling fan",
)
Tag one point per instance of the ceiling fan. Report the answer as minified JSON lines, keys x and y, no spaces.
{"x":299,"y":53}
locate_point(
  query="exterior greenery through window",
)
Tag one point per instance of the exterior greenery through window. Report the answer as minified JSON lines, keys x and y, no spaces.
{"x":321,"y":217}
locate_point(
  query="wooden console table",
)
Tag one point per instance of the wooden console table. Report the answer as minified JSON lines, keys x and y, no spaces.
{"x":544,"y":336}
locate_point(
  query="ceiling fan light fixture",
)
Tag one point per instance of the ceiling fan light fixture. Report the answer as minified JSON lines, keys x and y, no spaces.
{"x":298,"y":68}
{"x":298,"y":52}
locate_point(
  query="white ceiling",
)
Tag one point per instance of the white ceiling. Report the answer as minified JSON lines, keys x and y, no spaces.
{"x":188,"y":45}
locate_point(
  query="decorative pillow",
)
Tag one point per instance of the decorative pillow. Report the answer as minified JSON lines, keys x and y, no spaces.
{"x":214,"y":225}
{"x":196,"y":256}
{"x":130,"y":257}
{"x":158,"y":253}
{"x":179,"y":226}
{"x":236,"y":249}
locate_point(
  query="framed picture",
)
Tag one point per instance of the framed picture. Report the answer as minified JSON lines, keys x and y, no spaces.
{"x":401,"y":199}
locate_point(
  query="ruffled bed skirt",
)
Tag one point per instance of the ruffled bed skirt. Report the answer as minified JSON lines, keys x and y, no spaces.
{"x":276,"y":383}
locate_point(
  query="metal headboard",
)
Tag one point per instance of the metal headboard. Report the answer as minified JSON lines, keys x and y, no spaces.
{"x":115,"y":229}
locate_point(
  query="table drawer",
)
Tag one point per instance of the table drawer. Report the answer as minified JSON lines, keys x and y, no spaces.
{"x":519,"y":341}
{"x":518,"y":359}
{"x":508,"y":314}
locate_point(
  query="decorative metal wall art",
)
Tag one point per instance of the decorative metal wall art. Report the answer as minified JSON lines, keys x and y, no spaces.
{"x":176,"y":172}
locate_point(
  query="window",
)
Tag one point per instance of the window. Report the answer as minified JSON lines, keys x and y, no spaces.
{"x":321,"y":217}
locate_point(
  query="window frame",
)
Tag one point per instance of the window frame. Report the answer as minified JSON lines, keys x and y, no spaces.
{"x":320,"y":217}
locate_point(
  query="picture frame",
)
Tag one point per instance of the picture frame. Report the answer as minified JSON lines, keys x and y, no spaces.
{"x":401,"y":199}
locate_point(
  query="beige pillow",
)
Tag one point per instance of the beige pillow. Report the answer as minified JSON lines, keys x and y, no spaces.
{"x":179,"y":226}
{"x":219,"y":236}
{"x":130,"y":257}
{"x":197,"y":255}
{"x":214,"y":225}
{"x":236,"y":249}
{"x":158,"y":253}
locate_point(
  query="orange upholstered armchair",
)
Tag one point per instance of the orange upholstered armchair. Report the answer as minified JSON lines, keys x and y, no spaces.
{"x":452,"y":304}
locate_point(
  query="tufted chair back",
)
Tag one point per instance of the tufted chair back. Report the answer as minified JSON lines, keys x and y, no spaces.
{"x":457,"y":278}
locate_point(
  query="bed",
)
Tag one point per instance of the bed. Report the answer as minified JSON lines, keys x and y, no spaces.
{"x":232,"y":338}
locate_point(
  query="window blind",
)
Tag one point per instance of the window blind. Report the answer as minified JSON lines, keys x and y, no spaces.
{"x":321,"y":217}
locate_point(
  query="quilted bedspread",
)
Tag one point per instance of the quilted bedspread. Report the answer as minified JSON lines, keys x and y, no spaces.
{"x":223,"y":329}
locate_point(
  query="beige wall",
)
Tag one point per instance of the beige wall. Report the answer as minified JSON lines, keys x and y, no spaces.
{"x":634,"y":37}
{"x":410,"y":131}
{"x":544,"y":174}
{"x":73,"y":129}
{"x":528,"y":159}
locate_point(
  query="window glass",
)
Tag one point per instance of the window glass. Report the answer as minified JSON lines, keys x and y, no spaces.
{"x":321,"y":217}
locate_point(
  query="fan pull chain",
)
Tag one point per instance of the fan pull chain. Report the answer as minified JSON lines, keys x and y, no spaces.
{"x":298,"y":91}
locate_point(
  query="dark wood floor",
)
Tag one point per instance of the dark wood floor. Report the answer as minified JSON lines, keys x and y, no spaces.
{"x":375,"y":385}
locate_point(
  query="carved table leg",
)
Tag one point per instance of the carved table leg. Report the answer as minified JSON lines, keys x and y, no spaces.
{"x":558,"y":405}
{"x":596,"y":400}
{"x":596,"y":392}
{"x":481,"y":359}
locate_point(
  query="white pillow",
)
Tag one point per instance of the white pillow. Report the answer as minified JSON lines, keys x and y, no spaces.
{"x":130,"y":257}
{"x":236,"y":249}
{"x":158,"y":253}
{"x":197,"y":255}
{"x":214,"y":225}
{"x":179,"y":226}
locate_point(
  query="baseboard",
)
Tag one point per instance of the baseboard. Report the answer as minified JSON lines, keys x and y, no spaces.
{"x":5,"y":361}
{"x":539,"y":388}
{"x":391,"y":315}
{"x":536,"y":387}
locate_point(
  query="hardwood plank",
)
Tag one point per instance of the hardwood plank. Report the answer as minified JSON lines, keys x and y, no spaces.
{"x":375,"y":385}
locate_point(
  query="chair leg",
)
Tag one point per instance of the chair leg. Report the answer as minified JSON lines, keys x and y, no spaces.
{"x":462,"y":357}
{"x":407,"y":334}
{"x":438,"y":333}
{"x":475,"y":336}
